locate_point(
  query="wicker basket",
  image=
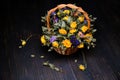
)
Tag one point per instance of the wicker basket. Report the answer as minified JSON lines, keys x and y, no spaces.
{"x":79,"y":9}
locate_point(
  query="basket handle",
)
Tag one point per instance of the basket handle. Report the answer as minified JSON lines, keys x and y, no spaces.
{"x":70,"y":6}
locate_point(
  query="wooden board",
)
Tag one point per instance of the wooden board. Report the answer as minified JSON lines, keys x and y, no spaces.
{"x":23,"y":18}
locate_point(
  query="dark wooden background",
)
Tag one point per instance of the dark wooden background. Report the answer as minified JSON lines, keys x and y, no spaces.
{"x":19,"y":19}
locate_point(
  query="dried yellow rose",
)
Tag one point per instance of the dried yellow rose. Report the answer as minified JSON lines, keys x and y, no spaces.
{"x":43,"y":40}
{"x":55,"y":44}
{"x":73,"y":24}
{"x":66,"y":43}
{"x":84,"y":28}
{"x":62,"y":31}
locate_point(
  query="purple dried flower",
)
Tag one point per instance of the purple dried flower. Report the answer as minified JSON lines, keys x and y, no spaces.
{"x":74,"y":41}
{"x":55,"y":20}
{"x":65,"y":8}
{"x":53,"y":13}
{"x":85,"y":21}
{"x":72,"y":37}
{"x":53,"y":38}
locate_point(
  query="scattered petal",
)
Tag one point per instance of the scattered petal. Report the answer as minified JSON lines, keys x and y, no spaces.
{"x":45,"y":63}
{"x":75,"y":60}
{"x":57,"y":69}
{"x":20,"y":46}
{"x":52,"y":66}
{"x":42,"y":57}
{"x":32,"y":55}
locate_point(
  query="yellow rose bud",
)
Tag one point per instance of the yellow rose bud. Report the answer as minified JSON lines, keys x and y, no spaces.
{"x":72,"y":31}
{"x":62,"y":31}
{"x":58,"y":13}
{"x":43,"y":40}
{"x":73,"y":24}
{"x":81,"y":18}
{"x":66,"y":18}
{"x":84,"y":28}
{"x":66,"y":43}
{"x":81,"y":45}
{"x":81,"y":67}
{"x":55,"y":44}
{"x":66,"y":11}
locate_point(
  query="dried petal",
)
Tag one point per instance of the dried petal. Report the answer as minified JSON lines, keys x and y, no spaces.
{"x":42,"y":57}
{"x":45,"y":63}
{"x":32,"y":55}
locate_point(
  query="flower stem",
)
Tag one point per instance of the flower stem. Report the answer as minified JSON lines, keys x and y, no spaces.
{"x":84,"y":59}
{"x":29,"y":37}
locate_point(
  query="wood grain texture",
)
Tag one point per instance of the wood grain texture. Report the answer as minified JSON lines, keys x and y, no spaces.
{"x":19,"y":19}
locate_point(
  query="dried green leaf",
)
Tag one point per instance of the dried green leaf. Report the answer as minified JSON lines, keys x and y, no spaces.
{"x":91,"y":25}
{"x":94,"y":40}
{"x":63,"y":24}
{"x":94,"y":30}
{"x":69,"y":19}
{"x":52,"y":66}
{"x":57,"y":69}
{"x":44,"y":28}
{"x":90,"y":16}
{"x":69,"y":35}
{"x":43,"y":18}
{"x":50,"y":49}
{"x":47,"y":37}
{"x":88,"y":47}
{"x":94,"y":18}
